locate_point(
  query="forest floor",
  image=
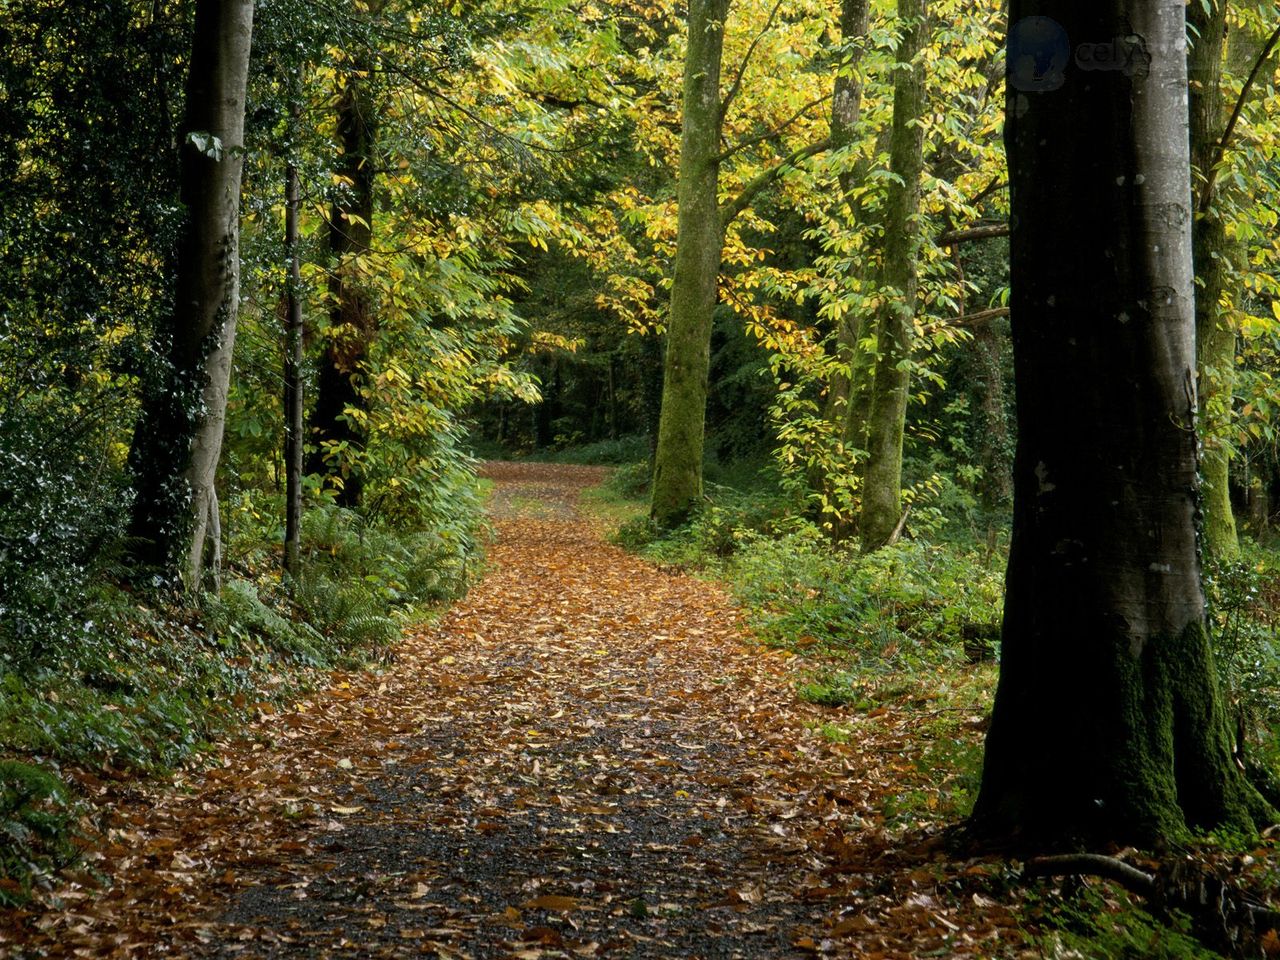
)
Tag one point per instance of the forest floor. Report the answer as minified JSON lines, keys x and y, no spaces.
{"x":589,"y":756}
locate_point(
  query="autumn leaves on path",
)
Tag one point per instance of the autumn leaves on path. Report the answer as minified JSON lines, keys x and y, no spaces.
{"x":586,"y":757}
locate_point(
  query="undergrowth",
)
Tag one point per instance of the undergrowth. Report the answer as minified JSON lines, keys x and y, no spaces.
{"x":1090,"y":920}
{"x":916,"y":602}
{"x":912,"y":628}
{"x":143,"y":684}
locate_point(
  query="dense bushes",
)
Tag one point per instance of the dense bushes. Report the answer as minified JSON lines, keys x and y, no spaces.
{"x":915,"y":601}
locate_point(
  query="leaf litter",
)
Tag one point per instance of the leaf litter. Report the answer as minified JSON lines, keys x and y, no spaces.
{"x":588,"y":757}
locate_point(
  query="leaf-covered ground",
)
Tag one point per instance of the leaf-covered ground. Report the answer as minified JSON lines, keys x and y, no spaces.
{"x":589,"y":757}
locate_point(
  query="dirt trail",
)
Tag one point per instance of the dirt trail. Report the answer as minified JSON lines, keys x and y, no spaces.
{"x":585,"y":758}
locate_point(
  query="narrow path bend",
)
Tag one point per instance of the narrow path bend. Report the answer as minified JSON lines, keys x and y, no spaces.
{"x":585,"y":758}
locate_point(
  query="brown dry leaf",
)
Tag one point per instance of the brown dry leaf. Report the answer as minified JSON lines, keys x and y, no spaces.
{"x":551,"y":901}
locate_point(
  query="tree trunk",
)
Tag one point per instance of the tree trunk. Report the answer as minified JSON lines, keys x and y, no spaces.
{"x":335,"y":432}
{"x":846,"y":110}
{"x":895,"y":328}
{"x":178,"y":440}
{"x":677,"y":477}
{"x":994,"y":445}
{"x":293,"y":399}
{"x":1215,"y":339}
{"x":849,"y":388}
{"x":1108,"y":723}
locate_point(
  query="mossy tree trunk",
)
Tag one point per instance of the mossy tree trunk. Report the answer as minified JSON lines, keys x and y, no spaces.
{"x":335,"y":430}
{"x":895,"y":323}
{"x":849,"y":386}
{"x":1215,"y":338}
{"x":178,"y":441}
{"x":1108,"y":723}
{"x":846,"y":111}
{"x":677,"y":476}
{"x":989,"y":357}
{"x":293,"y":364}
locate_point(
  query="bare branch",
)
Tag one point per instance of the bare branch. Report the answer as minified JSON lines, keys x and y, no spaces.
{"x":1211,"y":175}
{"x":731,"y":209}
{"x":736,"y":86}
{"x":1094,"y":865}
{"x":952,"y":237}
{"x":770,"y":134}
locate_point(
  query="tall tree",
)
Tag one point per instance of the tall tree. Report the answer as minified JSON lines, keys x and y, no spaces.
{"x":895,"y":325}
{"x":335,"y":427}
{"x":293,"y":360}
{"x":677,"y":477}
{"x":849,"y":391}
{"x":1215,"y":338}
{"x":1108,"y":722}
{"x":178,"y":440}
{"x":702,"y":224}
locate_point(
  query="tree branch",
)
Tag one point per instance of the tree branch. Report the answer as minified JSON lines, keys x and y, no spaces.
{"x":1094,"y":865}
{"x":1211,"y":175}
{"x":736,"y":86}
{"x":952,"y":237}
{"x":770,"y":134}
{"x":731,"y":209}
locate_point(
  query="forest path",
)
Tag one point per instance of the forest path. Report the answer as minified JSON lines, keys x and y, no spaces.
{"x":584,"y":758}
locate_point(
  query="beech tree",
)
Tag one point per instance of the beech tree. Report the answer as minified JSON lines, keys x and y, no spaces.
{"x":178,"y":441}
{"x":703,"y":221}
{"x":677,"y":478}
{"x":895,"y":330}
{"x":339,"y":398}
{"x":1108,"y":722}
{"x":1215,"y":338}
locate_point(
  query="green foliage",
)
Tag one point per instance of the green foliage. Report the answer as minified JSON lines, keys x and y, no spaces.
{"x":1242,"y":596}
{"x":631,"y":481}
{"x":620,"y":451}
{"x":1092,"y":920}
{"x":906,"y":603}
{"x":38,"y":826}
{"x":59,"y":520}
{"x":914,"y":602}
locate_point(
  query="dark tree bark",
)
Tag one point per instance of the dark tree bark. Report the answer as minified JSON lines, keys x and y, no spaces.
{"x":1108,"y":723}
{"x":895,"y":324}
{"x":677,"y":475}
{"x":335,"y":433}
{"x":178,"y":440}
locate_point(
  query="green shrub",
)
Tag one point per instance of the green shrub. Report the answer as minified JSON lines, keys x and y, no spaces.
{"x":909,"y":601}
{"x":631,"y":481}
{"x":1243,"y":597}
{"x":59,"y":520}
{"x":1087,"y":919}
{"x":623,"y":450}
{"x":38,"y":826}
